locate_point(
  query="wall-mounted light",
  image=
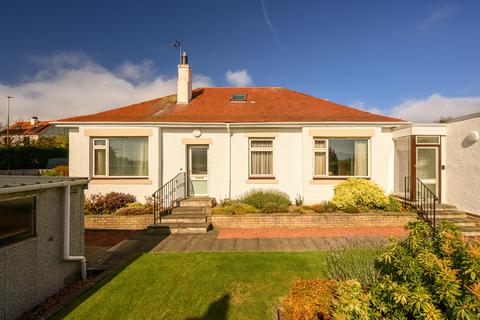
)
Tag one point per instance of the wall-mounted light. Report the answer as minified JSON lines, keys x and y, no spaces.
{"x":473,"y":137}
{"x":197,"y":133}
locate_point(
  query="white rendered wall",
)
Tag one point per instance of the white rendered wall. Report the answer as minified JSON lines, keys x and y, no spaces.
{"x":80,"y":165}
{"x":292,"y":161}
{"x":463,"y":166}
{"x":381,"y":165}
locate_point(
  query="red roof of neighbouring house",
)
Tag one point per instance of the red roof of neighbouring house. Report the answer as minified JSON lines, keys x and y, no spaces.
{"x":209,"y":105}
{"x":26,"y":128}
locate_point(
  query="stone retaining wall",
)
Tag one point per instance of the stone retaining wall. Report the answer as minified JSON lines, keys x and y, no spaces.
{"x":111,"y":222}
{"x":324,"y":220}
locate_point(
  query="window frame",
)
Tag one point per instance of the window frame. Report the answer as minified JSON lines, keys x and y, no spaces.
{"x":268,"y":149}
{"x":428,"y":143}
{"x":327,"y":160}
{"x":106,"y":147}
{"x":12,"y":239}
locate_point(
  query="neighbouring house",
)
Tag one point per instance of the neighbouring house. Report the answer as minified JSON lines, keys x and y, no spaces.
{"x":25,"y":131}
{"x":229,"y":140}
{"x":41,"y":239}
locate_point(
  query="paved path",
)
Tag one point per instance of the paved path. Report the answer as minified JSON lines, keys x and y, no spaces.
{"x":212,"y":243}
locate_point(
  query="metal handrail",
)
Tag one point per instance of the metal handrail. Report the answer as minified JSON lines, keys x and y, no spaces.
{"x":167,"y":196}
{"x":422,"y":198}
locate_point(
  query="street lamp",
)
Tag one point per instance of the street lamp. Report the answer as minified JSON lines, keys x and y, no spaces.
{"x":8,"y":120}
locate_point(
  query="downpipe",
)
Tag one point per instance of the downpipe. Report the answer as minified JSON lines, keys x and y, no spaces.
{"x":66,"y":234}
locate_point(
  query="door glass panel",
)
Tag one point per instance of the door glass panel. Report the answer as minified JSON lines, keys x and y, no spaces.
{"x":199,"y":160}
{"x":432,"y":187}
{"x":426,"y":164}
{"x":199,"y":187}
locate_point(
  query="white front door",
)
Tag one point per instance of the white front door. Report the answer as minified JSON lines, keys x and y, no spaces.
{"x":427,"y":167}
{"x":198,"y":170}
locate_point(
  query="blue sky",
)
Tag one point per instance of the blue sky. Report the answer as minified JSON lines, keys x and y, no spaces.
{"x":405,"y":58}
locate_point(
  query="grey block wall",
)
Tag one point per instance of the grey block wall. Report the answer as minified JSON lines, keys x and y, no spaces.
{"x":33,"y":269}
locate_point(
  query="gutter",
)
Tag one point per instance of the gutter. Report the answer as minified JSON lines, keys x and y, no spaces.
{"x":33,"y":187}
{"x":66,"y":235}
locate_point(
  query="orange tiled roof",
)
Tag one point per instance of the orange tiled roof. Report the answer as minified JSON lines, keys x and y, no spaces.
{"x":209,"y":105}
{"x":26,"y":128}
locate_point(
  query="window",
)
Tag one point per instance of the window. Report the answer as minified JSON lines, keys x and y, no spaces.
{"x":261,"y":158}
{"x":338,"y":157}
{"x":120,"y":157}
{"x":428,"y":140}
{"x":17,"y":219}
{"x":238,"y":97}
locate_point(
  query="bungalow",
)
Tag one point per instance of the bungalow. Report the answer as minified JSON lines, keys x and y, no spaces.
{"x":226,"y":141}
{"x":24,"y":132}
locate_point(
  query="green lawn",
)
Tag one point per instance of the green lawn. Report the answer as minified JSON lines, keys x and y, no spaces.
{"x":200,"y":286}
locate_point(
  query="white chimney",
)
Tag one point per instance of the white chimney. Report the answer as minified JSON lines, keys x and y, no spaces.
{"x":184,"y":82}
{"x":34,"y":120}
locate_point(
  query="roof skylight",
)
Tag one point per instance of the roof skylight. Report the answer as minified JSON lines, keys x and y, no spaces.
{"x":238,"y":97}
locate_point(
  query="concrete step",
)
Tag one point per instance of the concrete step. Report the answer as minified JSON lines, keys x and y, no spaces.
{"x":168,"y":228}
{"x":461,"y":222}
{"x":446,"y":206}
{"x":198,"y":202}
{"x":189,"y":210}
{"x":184,"y":218}
{"x":450,"y":215}
{"x":470,"y":231}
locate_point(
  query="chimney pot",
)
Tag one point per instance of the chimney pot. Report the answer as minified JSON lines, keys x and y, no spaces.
{"x":34,"y":120}
{"x":184,"y":58}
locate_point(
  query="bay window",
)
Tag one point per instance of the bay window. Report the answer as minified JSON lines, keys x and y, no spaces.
{"x":120,"y":157}
{"x":340,"y":157}
{"x":261,"y":158}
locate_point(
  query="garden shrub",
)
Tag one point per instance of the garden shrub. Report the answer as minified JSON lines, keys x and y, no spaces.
{"x":107,"y":203}
{"x":351,"y":302}
{"x":302,"y":209}
{"x":272,"y":207}
{"x":351,"y":209}
{"x":310,"y":300}
{"x":429,"y":275}
{"x":359,"y":193}
{"x":234,"y":207}
{"x":132,"y":210}
{"x":298,"y":200}
{"x":259,"y":198}
{"x":346,"y":263}
{"x":319,"y":208}
{"x":61,"y":171}
{"x":325,"y":206}
{"x":393,"y":204}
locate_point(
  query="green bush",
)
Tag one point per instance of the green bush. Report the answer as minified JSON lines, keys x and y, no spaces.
{"x":393,"y":204}
{"x":234,"y":207}
{"x":359,"y":193}
{"x":351,"y":302}
{"x":346,"y":263}
{"x":132,"y":210}
{"x":272,"y":207}
{"x":259,"y":198}
{"x":107,"y":203}
{"x":310,"y":300}
{"x":428,"y":276}
{"x":61,"y":171}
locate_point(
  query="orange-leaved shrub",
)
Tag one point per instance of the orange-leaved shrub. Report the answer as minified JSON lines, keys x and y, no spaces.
{"x":310,"y":300}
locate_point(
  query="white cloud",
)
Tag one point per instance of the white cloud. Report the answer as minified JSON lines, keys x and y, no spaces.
{"x":239,"y":78}
{"x":439,"y":14}
{"x":70,"y":84}
{"x":432,"y":108}
{"x":358,"y":104}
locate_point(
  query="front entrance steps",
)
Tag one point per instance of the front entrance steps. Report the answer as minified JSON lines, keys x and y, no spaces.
{"x":448,"y":212}
{"x":191,"y":216}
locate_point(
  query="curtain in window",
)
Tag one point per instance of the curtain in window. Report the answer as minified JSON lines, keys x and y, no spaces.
{"x":128,"y":156}
{"x":320,"y":163}
{"x":261,"y":163}
{"x":361,"y":158}
{"x":100,"y":162}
